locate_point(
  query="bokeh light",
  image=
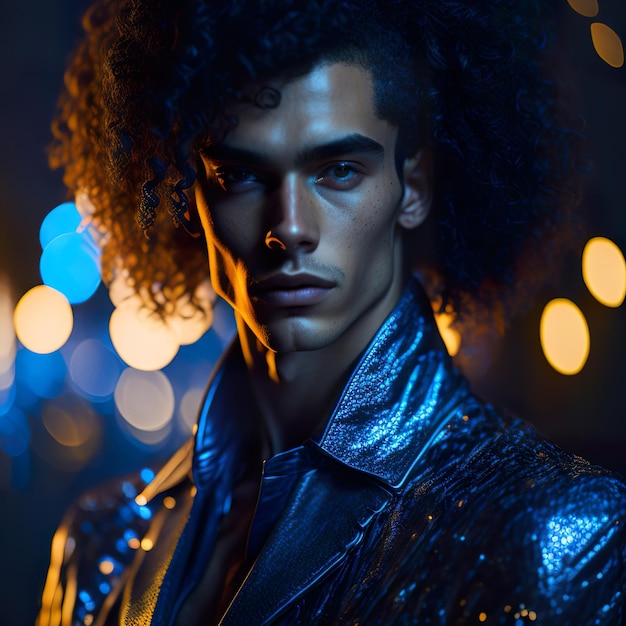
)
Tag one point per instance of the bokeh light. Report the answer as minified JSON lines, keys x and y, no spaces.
{"x":14,"y":432}
{"x":43,"y":374}
{"x":564,"y":336}
{"x":43,"y":319}
{"x":71,"y":433}
{"x":70,"y":263}
{"x":67,"y":425}
{"x":587,"y":8}
{"x":145,"y":399}
{"x":63,"y":219}
{"x":7,"y":345}
{"x":190,"y":325}
{"x":190,"y":407}
{"x":94,"y":369}
{"x":153,"y":439}
{"x":120,"y":290}
{"x":7,"y":398}
{"x":607,"y":44}
{"x":84,"y":205}
{"x":604,"y":271}
{"x":142,"y":339}
{"x":192,"y":318}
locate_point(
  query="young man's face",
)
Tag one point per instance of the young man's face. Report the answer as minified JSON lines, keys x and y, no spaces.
{"x":303,"y":210}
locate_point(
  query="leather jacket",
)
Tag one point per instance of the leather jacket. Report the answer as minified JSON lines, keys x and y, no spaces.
{"x":419,"y":504}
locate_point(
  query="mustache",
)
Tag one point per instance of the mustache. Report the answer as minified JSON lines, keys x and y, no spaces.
{"x":293,"y":274}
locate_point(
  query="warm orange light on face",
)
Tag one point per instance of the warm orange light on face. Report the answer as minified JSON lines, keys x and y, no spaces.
{"x":43,"y":319}
{"x":607,"y":44}
{"x":336,"y":204}
{"x":604,"y":271}
{"x":564,"y":336}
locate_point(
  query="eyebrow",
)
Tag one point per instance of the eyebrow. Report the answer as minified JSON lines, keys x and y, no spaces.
{"x":350,"y":144}
{"x":354,"y":143}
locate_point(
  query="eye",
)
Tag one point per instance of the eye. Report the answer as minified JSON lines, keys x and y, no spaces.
{"x":235,"y":179}
{"x":340,"y":176}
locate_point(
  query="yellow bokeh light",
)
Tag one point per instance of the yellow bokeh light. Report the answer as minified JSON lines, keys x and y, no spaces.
{"x":564,"y":336}
{"x":75,"y":426}
{"x":588,"y":8}
{"x":134,"y":543}
{"x":7,"y":336}
{"x":43,"y":319}
{"x":190,"y":325}
{"x":71,"y":426}
{"x":607,"y":44}
{"x":141,"y":338}
{"x":147,"y":544}
{"x":190,"y":406}
{"x":604,"y":271}
{"x":146,"y":437}
{"x":450,"y":335}
{"x":192,"y":317}
{"x":145,"y":399}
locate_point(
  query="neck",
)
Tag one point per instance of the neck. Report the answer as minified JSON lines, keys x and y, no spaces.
{"x":296,"y":392}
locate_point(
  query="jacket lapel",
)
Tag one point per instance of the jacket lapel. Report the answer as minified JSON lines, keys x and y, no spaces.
{"x":324,"y":519}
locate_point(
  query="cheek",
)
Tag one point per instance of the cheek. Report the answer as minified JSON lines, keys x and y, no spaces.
{"x":225,"y":234}
{"x":373,"y":243}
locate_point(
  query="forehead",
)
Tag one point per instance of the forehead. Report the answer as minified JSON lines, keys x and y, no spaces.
{"x":330,"y":101}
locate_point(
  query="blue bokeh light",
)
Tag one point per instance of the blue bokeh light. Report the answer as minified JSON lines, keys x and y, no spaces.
{"x":95,"y":370}
{"x":14,"y":432}
{"x":63,"y":219}
{"x":70,"y":263}
{"x":7,"y":398}
{"x":43,"y":374}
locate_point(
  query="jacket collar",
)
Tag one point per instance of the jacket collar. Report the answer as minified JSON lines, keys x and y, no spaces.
{"x":399,"y":396}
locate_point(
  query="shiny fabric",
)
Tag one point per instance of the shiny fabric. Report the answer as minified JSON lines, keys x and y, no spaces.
{"x":419,"y":504}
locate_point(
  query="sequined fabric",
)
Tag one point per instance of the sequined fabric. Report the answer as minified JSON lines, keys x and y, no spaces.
{"x":419,"y":504}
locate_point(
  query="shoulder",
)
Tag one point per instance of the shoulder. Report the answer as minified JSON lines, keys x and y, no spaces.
{"x":100,"y":537}
{"x":503,"y":466}
{"x":92,"y":548}
{"x":510,"y":522}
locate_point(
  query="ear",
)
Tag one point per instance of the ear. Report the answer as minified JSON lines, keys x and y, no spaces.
{"x":417,"y":194}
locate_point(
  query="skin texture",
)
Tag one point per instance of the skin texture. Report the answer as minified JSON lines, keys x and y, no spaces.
{"x":303,"y":211}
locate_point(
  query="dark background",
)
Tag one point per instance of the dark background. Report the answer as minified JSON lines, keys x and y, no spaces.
{"x":583,"y":413}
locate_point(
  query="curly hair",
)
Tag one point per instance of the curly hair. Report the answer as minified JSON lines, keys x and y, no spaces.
{"x":151,"y":77}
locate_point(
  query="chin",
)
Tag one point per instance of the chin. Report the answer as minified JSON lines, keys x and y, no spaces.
{"x":297,"y":336}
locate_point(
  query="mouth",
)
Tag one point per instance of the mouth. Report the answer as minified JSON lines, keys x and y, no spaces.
{"x":292,"y":290}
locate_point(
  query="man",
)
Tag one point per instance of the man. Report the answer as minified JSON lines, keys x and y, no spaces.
{"x":342,"y":472}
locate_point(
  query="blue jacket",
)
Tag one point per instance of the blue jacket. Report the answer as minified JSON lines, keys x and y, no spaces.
{"x":419,"y":504}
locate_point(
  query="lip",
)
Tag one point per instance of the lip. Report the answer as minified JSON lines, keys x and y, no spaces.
{"x":292,"y":290}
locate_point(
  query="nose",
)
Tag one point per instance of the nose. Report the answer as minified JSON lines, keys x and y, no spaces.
{"x":294,"y":219}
